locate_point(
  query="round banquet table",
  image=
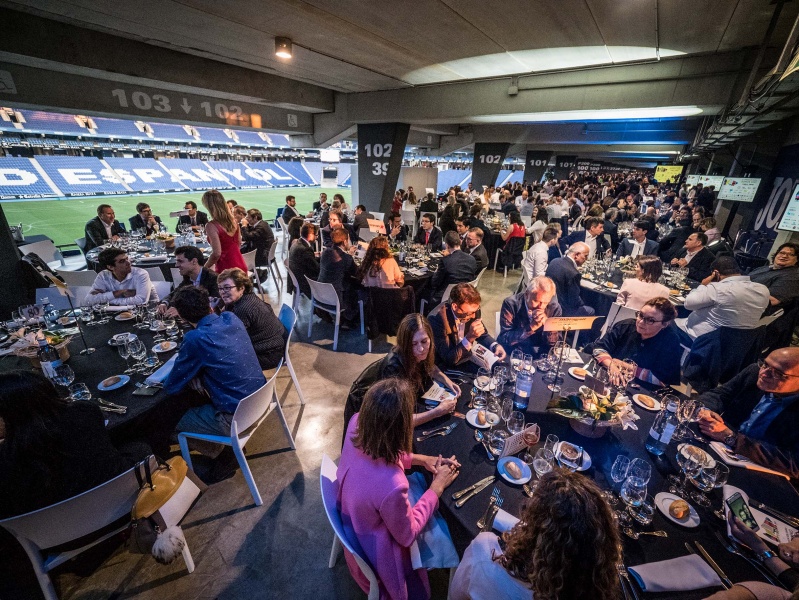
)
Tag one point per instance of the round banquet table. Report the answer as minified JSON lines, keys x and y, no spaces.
{"x":165,"y":262}
{"x":774,"y":491}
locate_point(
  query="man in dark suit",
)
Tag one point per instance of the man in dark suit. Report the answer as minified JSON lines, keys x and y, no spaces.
{"x":102,"y":227}
{"x":302,"y":259}
{"x":760,"y":408}
{"x":455,"y":267}
{"x":671,"y":245}
{"x":429,"y":204}
{"x":337,"y":267}
{"x":462,"y":229}
{"x":474,"y":246}
{"x":289,"y":211}
{"x":361,"y":218}
{"x":145,"y":219}
{"x":189,"y":261}
{"x":696,"y":257}
{"x":563,"y":271}
{"x":611,"y":229}
{"x":195,"y":218}
{"x":257,"y":235}
{"x":397,"y":232}
{"x":457,"y":326}
{"x":428,"y":234}
{"x":639,"y":244}
{"x":593,"y":235}
{"x":522,"y":317}
{"x":321,"y":205}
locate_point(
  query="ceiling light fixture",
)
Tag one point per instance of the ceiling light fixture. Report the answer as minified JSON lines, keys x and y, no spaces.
{"x":283,"y":47}
{"x":608,"y":114}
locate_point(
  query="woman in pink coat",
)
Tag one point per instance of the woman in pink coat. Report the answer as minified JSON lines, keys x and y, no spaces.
{"x":373,"y":490}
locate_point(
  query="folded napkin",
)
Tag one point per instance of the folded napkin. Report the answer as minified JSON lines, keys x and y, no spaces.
{"x":504,"y":521}
{"x":159,"y":258}
{"x":433,"y":547}
{"x":681,"y":574}
{"x":161,"y":374}
{"x":736,"y":460}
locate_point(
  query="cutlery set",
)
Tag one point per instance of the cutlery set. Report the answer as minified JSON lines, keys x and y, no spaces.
{"x":111,"y":407}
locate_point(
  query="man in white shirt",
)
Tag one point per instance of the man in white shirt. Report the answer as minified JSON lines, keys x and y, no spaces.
{"x":536,"y":258}
{"x":119,"y":283}
{"x":553,"y":208}
{"x":725,"y":299}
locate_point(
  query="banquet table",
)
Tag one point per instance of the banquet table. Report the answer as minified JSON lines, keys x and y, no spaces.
{"x":773,"y":490}
{"x":139,"y":258}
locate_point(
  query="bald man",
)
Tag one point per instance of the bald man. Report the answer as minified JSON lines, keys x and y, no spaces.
{"x":563,"y":271}
{"x":760,"y":408}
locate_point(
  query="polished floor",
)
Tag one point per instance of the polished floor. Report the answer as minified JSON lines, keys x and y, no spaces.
{"x":280,"y":549}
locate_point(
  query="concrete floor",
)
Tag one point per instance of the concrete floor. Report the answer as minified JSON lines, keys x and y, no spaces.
{"x":280,"y":549}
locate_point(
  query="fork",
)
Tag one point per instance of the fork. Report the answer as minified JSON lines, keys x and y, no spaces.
{"x":731,"y":547}
{"x":622,"y":571}
{"x":495,"y":500}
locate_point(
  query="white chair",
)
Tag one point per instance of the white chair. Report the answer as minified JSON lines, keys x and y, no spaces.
{"x":272,"y":265}
{"x":79,"y":517}
{"x":176,"y":277}
{"x":409,"y":218}
{"x":366,"y":234}
{"x":617,"y":312}
{"x":496,"y":324}
{"x":282,"y":226}
{"x":78,"y":277}
{"x":155,"y":273}
{"x":288,"y":317}
{"x":445,"y":295}
{"x":249,"y":415}
{"x":81,"y":244}
{"x":528,"y":221}
{"x":162,"y":288}
{"x":479,"y":275}
{"x":295,"y":299}
{"x":327,"y":481}
{"x":47,"y":251}
{"x":380,"y":216}
{"x":249,"y":260}
{"x":324,"y":297}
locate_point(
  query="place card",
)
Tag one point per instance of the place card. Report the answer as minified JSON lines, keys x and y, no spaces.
{"x":482,"y":356}
{"x":513,"y":445}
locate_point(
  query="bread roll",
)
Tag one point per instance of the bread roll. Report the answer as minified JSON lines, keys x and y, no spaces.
{"x":111,"y":381}
{"x":481,"y":417}
{"x":513,"y":470}
{"x":679,"y":509}
{"x":579,"y":372}
{"x":125,"y":315}
{"x":646,"y":400}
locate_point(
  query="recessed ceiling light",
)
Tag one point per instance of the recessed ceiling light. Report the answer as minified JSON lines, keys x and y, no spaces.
{"x":283,"y":47}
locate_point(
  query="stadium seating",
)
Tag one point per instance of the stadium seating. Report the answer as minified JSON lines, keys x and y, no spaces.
{"x":144,"y":175}
{"x":251,"y":138}
{"x":211,"y":134}
{"x":278,"y":140}
{"x":344,"y":175}
{"x":451,"y":177}
{"x":47,"y":122}
{"x":81,"y":175}
{"x":271,"y":174}
{"x":239,"y":174}
{"x":196,"y":174}
{"x":297,"y":171}
{"x":164,"y":131}
{"x":19,"y":179}
{"x":118,"y":128}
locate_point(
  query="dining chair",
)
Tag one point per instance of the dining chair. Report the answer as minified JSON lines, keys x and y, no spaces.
{"x":324,"y":297}
{"x":41,"y":531}
{"x":295,"y":298}
{"x":616,"y":313}
{"x":162,"y":288}
{"x":288,"y":317}
{"x":78,"y":277}
{"x":272,"y":265}
{"x":155,"y":273}
{"x":249,"y":415}
{"x":252,"y":270}
{"x":380,"y":216}
{"x":176,"y":277}
{"x":445,"y":295}
{"x":49,"y":253}
{"x":367,"y":235}
{"x":479,"y":275}
{"x":329,"y":485}
{"x":409,"y":219}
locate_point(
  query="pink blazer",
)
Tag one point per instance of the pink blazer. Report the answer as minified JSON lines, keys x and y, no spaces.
{"x":373,"y":500}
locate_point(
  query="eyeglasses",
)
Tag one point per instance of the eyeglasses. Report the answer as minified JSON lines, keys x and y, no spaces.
{"x":647,"y":320}
{"x":775,"y":373}
{"x":784,"y":253}
{"x":227,"y":288}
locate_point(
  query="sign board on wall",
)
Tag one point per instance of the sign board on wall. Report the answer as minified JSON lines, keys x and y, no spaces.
{"x":564,"y":165}
{"x":380,"y":150}
{"x":670,"y":173}
{"x":739,"y":189}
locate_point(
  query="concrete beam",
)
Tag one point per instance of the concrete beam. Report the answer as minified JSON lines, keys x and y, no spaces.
{"x":453,"y":143}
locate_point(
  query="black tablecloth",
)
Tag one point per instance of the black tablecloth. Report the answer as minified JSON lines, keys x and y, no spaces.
{"x":772,"y":490}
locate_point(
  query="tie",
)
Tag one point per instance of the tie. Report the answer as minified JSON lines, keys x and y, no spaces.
{"x":426,"y":238}
{"x":194,"y":220}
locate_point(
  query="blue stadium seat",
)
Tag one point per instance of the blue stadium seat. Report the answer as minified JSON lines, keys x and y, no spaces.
{"x":20,"y":179}
{"x":452,"y":177}
{"x":297,"y":171}
{"x":164,"y":131}
{"x":211,"y":134}
{"x":47,"y":122}
{"x":251,"y":138}
{"x":144,"y":175}
{"x":344,"y":175}
{"x":80,"y":175}
{"x":196,"y":174}
{"x":239,"y":174}
{"x":117,"y":128}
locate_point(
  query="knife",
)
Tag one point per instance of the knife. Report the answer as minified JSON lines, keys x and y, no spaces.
{"x":474,"y":492}
{"x":465,"y":491}
{"x":774,"y":512}
{"x":724,"y":579}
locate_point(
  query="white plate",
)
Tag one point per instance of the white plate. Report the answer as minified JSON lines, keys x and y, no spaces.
{"x":527,"y":474}
{"x":579,"y":377}
{"x":586,"y":457}
{"x":636,"y":399}
{"x":122,"y":381}
{"x":162,"y":328}
{"x":486,"y":387}
{"x":124,"y":318}
{"x":709,"y":461}
{"x":664,"y":499}
{"x":166,"y":346}
{"x":471,"y":418}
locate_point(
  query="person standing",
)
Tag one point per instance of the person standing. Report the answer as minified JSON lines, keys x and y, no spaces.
{"x":223,"y":234}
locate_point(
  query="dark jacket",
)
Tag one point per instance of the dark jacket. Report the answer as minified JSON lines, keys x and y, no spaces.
{"x":201,"y":218}
{"x":289,"y":213}
{"x":671,"y":245}
{"x":735,"y":401}
{"x":136,"y":222}
{"x":428,"y":206}
{"x":699,"y":267}
{"x":258,"y":237}
{"x":457,"y":267}
{"x":317,"y":206}
{"x":480,"y":255}
{"x":302,"y":262}
{"x":436,"y":239}
{"x":613,"y":231}
{"x":360,"y":221}
{"x":338,"y":268}
{"x":626,"y":248}
{"x":602,"y":244}
{"x":267,"y":334}
{"x":402,"y":236}
{"x":208,"y":280}
{"x":567,"y":281}
{"x":450,"y":351}
{"x":515,"y":324}
{"x":95,"y":232}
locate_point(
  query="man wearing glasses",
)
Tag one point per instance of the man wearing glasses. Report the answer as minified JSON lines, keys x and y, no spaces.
{"x":119,"y":283}
{"x":429,"y":234}
{"x":563,"y":271}
{"x":781,"y":277}
{"x":756,"y":413}
{"x":647,"y":340}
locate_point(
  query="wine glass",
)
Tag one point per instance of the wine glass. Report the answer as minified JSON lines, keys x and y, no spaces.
{"x":138,"y":351}
{"x":722,"y":474}
{"x":496,"y":387}
{"x":543,"y":463}
{"x":706,"y":480}
{"x":618,"y":473}
{"x":516,"y":424}
{"x":493,"y":410}
{"x":629,"y":367}
{"x":542,"y":364}
{"x":690,"y":466}
{"x":483,"y":379}
{"x":517,"y":360}
{"x":551,"y":441}
{"x":63,"y":375}
{"x":633,"y":493}
{"x":528,"y":363}
{"x":506,"y":411}
{"x":530,"y":436}
{"x":556,"y":355}
{"x":124,"y":352}
{"x":80,"y":391}
{"x":496,"y":442}
{"x":686,"y":410}
{"x":640,"y":469}
{"x":172,"y":328}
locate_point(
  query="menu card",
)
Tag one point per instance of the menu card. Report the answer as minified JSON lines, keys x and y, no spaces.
{"x":482,"y":356}
{"x":436,"y":394}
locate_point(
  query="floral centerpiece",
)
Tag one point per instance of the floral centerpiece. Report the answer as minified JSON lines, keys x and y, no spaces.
{"x":26,"y":344}
{"x":591,"y":414}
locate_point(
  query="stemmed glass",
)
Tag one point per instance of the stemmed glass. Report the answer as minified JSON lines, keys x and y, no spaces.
{"x":556,"y":356}
{"x":706,"y":481}
{"x":516,"y":424}
{"x":483,"y":379}
{"x":138,"y":351}
{"x":691,"y":467}
{"x":63,"y":375}
{"x":686,"y":410}
{"x":528,"y":363}
{"x":530,"y":436}
{"x":493,"y":410}
{"x":543,"y":463}
{"x":506,"y":411}
{"x":542,"y":364}
{"x":551,"y":441}
{"x":633,"y":490}
{"x":722,"y":474}
{"x":517,"y":360}
{"x":629,"y":367}
{"x":124,"y":352}
{"x":618,"y":473}
{"x":172,"y":329}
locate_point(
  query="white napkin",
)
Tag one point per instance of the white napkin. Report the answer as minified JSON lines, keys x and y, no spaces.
{"x":681,"y":574}
{"x":504,"y":521}
{"x":742,"y":461}
{"x":161,"y":374}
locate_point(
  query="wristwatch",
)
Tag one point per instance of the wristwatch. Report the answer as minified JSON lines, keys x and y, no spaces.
{"x":731,"y":439}
{"x":765,"y":555}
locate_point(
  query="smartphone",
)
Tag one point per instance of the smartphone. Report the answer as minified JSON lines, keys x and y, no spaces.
{"x":740,"y":509}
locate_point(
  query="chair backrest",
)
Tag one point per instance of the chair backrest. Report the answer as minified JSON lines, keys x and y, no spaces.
{"x":81,"y":243}
{"x":479,"y":275}
{"x":45,"y":250}
{"x":293,"y":277}
{"x":527,"y":220}
{"x":80,"y":515}
{"x":249,"y":260}
{"x":281,"y":223}
{"x":409,"y":218}
{"x":329,"y":487}
{"x":617,"y":312}
{"x":323,"y":292}
{"x":79,"y":292}
{"x":771,"y":318}
{"x":162,"y":288}
{"x":155,"y":273}
{"x":496,"y":324}
{"x":366,"y":234}
{"x":380,"y":216}
{"x":176,"y":277}
{"x":78,"y":277}
{"x":272,"y":251}
{"x":608,"y":240}
{"x":255,"y":406}
{"x":288,"y":317}
{"x":448,"y":289}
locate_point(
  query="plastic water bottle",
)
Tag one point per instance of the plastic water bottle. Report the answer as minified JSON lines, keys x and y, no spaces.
{"x":48,"y":357}
{"x":662,"y":430}
{"x":521,"y":394}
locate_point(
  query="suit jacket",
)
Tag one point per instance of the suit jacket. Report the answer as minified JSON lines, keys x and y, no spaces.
{"x":337,"y":267}
{"x":428,"y":206}
{"x":201,"y":217}
{"x":602,"y":244}
{"x":567,"y":281}
{"x":303,"y":261}
{"x":553,"y":253}
{"x":436,"y":238}
{"x":258,"y":237}
{"x":136,"y":222}
{"x":613,"y":231}
{"x":402,"y":236}
{"x":95,"y":232}
{"x":514,"y":324}
{"x":208,"y":280}
{"x":457,"y":267}
{"x":736,"y":399}
{"x":359,"y":221}
{"x":480,"y":255}
{"x":317,"y":206}
{"x":289,"y":213}
{"x":699,"y":267}
{"x":626,"y":248}
{"x":450,"y":351}
{"x":671,"y":245}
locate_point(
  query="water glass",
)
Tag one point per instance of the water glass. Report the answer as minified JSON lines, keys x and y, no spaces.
{"x":530,"y":436}
{"x":551,"y":442}
{"x":722,"y":474}
{"x":516,"y":422}
{"x":686,"y":411}
{"x":80,"y":391}
{"x":496,"y":442}
{"x":493,"y":410}
{"x":690,"y":466}
{"x":124,"y":351}
{"x":543,"y":463}
{"x":618,"y":473}
{"x":63,"y":375}
{"x":643,"y":512}
{"x":517,"y":360}
{"x":483,"y":379}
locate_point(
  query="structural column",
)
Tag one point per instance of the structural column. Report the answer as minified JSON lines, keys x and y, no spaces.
{"x":380,"y":150}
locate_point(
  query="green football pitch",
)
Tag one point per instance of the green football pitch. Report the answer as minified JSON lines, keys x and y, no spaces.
{"x":63,"y":220}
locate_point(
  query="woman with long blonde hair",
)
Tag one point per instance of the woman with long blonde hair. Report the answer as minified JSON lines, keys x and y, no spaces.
{"x":223,"y":235}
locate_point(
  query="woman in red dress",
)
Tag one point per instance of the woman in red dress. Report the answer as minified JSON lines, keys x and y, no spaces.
{"x":223,"y":235}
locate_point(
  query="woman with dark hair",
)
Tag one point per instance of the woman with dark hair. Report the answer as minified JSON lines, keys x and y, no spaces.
{"x":565,"y":547}
{"x":540,"y":222}
{"x":634,"y":293}
{"x":379,"y":269}
{"x":343,"y":206}
{"x":373,"y":489}
{"x":223,"y":234}
{"x":267,"y":334}
{"x":50,"y":449}
{"x":294,"y":228}
{"x":515,"y":229}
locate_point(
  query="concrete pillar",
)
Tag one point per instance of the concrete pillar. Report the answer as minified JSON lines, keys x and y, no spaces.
{"x":380,"y":150}
{"x":488,"y":159}
{"x":13,"y":294}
